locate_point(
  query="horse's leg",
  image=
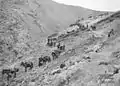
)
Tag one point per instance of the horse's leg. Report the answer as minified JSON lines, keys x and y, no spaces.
{"x":40,"y":64}
{"x":3,"y":75}
{"x":8,"y":76}
{"x":31,"y":68}
{"x":25,"y":69}
{"x":53,"y":57}
{"x":14,"y":74}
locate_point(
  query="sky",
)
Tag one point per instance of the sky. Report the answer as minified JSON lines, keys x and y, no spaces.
{"x":100,"y":5}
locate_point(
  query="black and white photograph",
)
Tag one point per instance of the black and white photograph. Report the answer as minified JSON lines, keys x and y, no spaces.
{"x":59,"y":42}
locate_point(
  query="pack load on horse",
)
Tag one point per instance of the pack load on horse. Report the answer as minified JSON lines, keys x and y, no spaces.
{"x":43,"y":60}
{"x":55,"y":54}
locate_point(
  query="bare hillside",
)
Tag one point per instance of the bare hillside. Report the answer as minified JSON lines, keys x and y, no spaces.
{"x":43,"y":43}
{"x":46,"y":16}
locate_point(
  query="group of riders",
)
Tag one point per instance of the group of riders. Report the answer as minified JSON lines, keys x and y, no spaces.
{"x":51,"y":42}
{"x":11,"y":72}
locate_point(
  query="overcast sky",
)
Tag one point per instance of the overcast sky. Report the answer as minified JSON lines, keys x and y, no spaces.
{"x":103,"y":5}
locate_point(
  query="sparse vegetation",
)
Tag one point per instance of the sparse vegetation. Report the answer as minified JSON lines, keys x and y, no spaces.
{"x":82,"y":54}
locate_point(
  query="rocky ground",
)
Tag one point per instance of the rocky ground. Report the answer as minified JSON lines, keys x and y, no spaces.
{"x":90,"y":58}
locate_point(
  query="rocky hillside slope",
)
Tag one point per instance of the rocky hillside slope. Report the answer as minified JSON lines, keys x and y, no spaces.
{"x":46,"y":16}
{"x":85,"y":53}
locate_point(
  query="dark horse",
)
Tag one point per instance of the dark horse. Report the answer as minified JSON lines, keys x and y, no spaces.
{"x":10,"y":72}
{"x":62,"y":65}
{"x":111,"y":33}
{"x":40,"y":63}
{"x":27,"y":65}
{"x":61,"y":47}
{"x":43,"y":60}
{"x":46,"y":59}
{"x":51,"y":42}
{"x":55,"y":54}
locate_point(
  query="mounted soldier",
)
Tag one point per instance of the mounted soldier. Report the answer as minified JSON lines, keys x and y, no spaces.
{"x":46,"y":59}
{"x":93,"y":27}
{"x":61,"y":47}
{"x":49,"y":43}
{"x":58,"y":45}
{"x":43,"y":60}
{"x":52,"y":39}
{"x":55,"y":54}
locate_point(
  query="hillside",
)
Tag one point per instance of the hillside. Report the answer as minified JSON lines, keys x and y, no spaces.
{"x":34,"y":51}
{"x":49,"y":15}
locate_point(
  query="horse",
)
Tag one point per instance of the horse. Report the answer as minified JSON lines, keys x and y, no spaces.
{"x":54,"y":55}
{"x":103,"y":63}
{"x":111,"y":33}
{"x":40,"y":63}
{"x":61,"y":47}
{"x":27,"y":65}
{"x":62,"y":65}
{"x":10,"y":72}
{"x":44,"y":60}
{"x":51,"y":42}
{"x":14,"y":72}
{"x":58,"y":46}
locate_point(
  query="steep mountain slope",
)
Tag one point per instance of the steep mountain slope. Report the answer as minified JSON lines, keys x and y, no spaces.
{"x":91,"y":58}
{"x":62,"y":15}
{"x":81,"y":53}
{"x":47,"y":16}
{"x":30,"y":20}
